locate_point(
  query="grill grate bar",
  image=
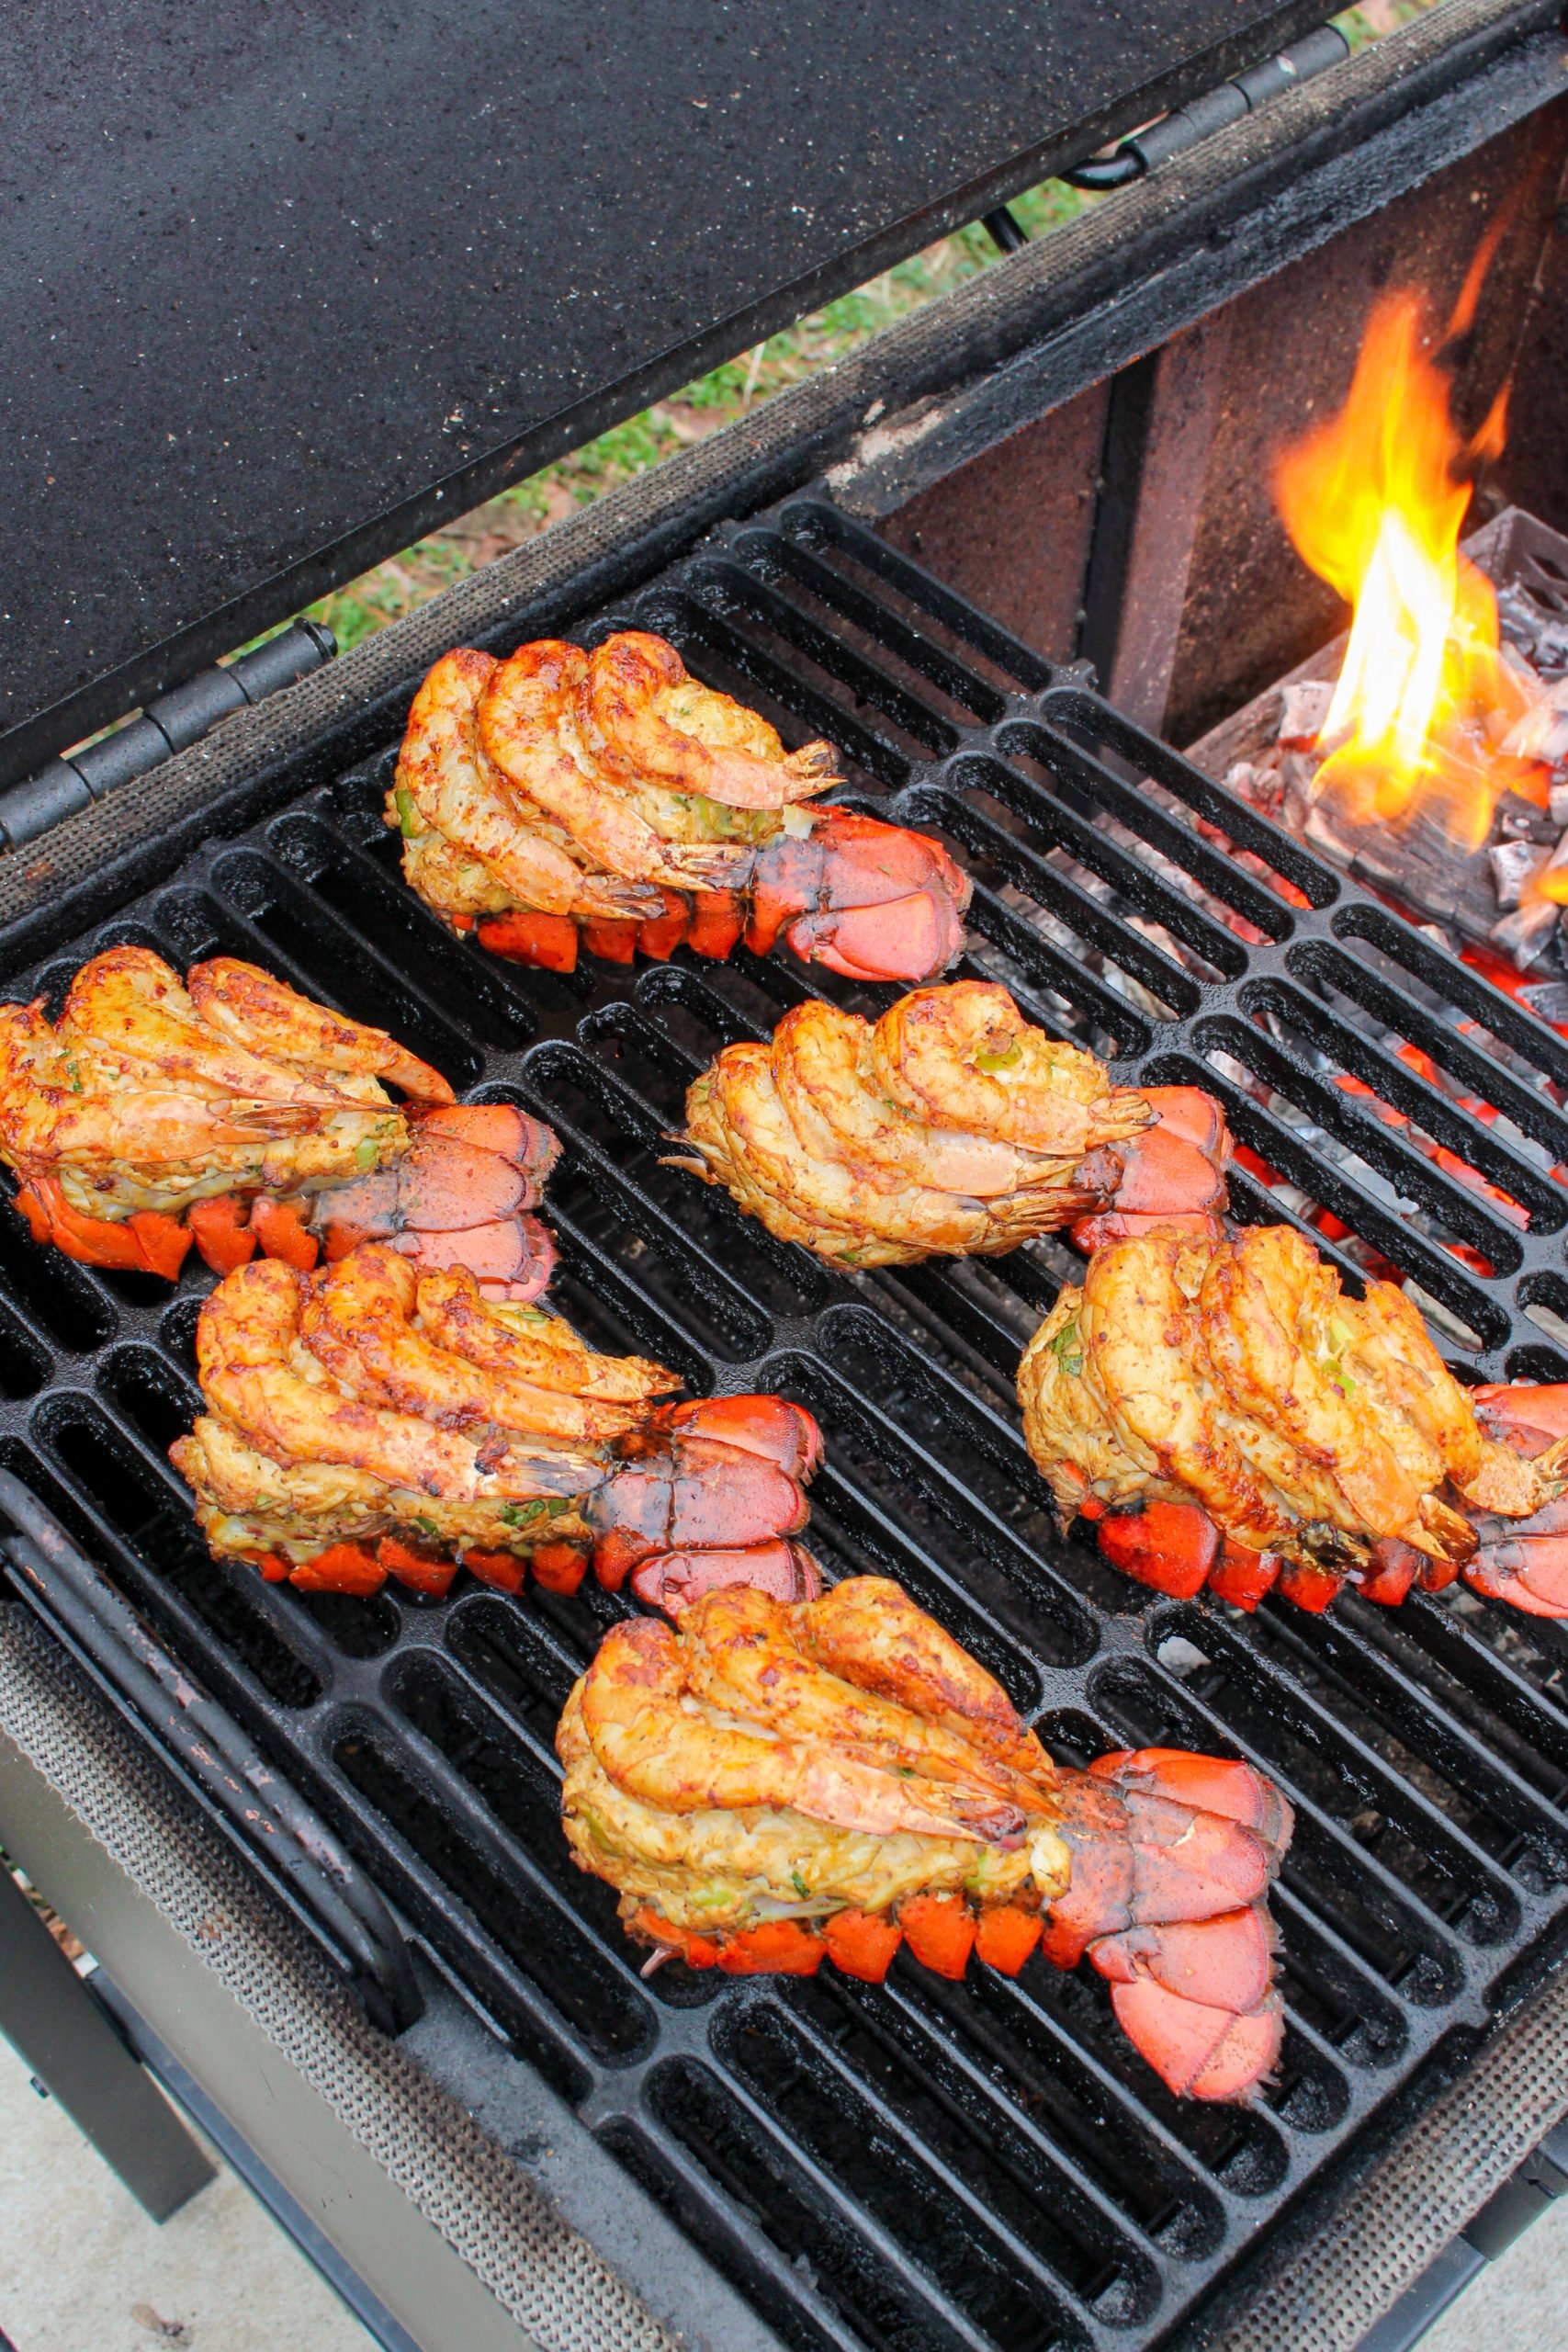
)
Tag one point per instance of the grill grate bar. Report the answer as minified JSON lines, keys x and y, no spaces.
{"x":1403,"y":1091}
{"x":729,"y":2229}
{"x":694,"y":626}
{"x":981,"y":2223}
{"x":1160,"y":2119}
{"x":812,"y":523}
{"x":1299,"y":1709}
{"x":1015,"y":2177}
{"x":1329,"y":1183}
{"x":1077,"y":2187}
{"x":1101,"y":792}
{"x":1449,"y":1744}
{"x":725,"y":589}
{"x":1324,"y":964}
{"x":1051,"y":972}
{"x":1059,"y":894}
{"x":885,"y":626}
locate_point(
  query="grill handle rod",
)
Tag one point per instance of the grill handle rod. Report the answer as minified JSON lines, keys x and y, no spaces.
{"x":179,"y":718}
{"x":211,"y":1754}
{"x":1186,"y":125}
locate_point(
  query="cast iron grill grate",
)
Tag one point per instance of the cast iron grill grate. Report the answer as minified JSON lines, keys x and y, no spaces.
{"x":986,"y":2165}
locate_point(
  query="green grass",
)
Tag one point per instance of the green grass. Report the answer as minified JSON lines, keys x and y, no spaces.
{"x":405,"y":582}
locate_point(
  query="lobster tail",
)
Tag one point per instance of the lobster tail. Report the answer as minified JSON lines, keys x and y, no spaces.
{"x":1172,"y":1176}
{"x":706,"y":1495}
{"x":867,"y":899}
{"x":460,"y":1196}
{"x":1172,"y":1858}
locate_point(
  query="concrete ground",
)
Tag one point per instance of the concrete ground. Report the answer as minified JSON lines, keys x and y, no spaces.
{"x":82,"y":2269}
{"x":1519,"y":2303}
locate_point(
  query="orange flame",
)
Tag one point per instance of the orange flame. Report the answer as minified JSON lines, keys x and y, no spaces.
{"x":1374,"y":501}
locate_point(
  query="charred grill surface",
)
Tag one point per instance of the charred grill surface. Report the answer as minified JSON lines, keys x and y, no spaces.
{"x":920,"y":2165}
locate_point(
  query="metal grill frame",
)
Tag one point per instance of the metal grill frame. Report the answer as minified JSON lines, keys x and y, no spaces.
{"x":935,"y":705}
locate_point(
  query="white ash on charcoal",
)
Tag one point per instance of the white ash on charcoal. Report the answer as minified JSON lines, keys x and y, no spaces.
{"x":1533,"y":629}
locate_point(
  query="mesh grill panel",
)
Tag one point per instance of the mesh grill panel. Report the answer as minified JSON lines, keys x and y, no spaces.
{"x":544,"y":2274}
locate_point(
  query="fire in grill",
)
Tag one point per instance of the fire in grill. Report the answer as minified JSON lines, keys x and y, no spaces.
{"x":1426,"y":750}
{"x":985,"y":2163}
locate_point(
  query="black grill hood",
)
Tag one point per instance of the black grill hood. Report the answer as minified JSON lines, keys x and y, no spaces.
{"x":284,"y":286}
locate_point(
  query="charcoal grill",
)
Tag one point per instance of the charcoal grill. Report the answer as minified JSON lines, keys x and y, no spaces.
{"x":824,"y":2164}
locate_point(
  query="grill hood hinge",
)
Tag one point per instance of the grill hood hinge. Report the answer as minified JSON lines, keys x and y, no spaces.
{"x":1137,"y":155}
{"x":165,"y":726}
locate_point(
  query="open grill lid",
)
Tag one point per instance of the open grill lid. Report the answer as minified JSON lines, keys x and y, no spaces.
{"x":281,"y":291}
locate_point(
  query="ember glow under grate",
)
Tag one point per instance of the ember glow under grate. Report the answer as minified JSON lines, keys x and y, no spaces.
{"x":923,"y":2164}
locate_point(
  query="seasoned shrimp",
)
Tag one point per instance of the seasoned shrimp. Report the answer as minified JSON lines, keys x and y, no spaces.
{"x":1237,"y":1375}
{"x":869,"y":1632}
{"x":253,"y":1372}
{"x":1252,"y":1304}
{"x":268,"y":1017}
{"x":129,"y":1021}
{"x":645,"y":718}
{"x":1140,"y":1339}
{"x":452,"y":787}
{"x":746,"y":1657}
{"x":359,"y":1323}
{"x":799,"y":1197}
{"x":528,"y":726}
{"x":964,"y":1054}
{"x":663,"y":1747}
{"x":527,"y":1343}
{"x":950,"y":1127}
{"x":823,"y":1068}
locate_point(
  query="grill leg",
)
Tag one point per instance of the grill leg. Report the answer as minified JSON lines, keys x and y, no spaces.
{"x":62,"y":2035}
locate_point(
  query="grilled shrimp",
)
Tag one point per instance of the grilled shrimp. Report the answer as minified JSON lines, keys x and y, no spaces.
{"x":265,"y":1017}
{"x":453,"y":787}
{"x":358,"y":1324}
{"x":823,"y":1065}
{"x":128,"y":1021}
{"x":253,"y":1371}
{"x":718,"y":1780}
{"x":528,"y":1344}
{"x":646,"y":719}
{"x":1231,"y":1420}
{"x":528,"y":726}
{"x":869,"y":1632}
{"x":965,"y":1055}
{"x":754,"y":1660}
{"x":1255,"y":1305}
{"x":686,"y":1759}
{"x":748,"y":1142}
{"x":950,"y":1128}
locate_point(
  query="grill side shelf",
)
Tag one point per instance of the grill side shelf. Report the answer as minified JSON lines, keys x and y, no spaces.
{"x":260,"y":1812}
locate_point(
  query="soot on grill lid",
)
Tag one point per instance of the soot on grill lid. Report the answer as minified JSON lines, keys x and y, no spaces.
{"x":984,"y":2165}
{"x":284,"y":292}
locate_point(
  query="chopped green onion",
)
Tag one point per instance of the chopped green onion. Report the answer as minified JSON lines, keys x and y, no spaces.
{"x":410,"y":822}
{"x":715,"y":1895}
{"x":800,"y":1886}
{"x":366,"y":1154}
{"x":523,"y":1514}
{"x":426,"y":1526}
{"x":991,"y":1062}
